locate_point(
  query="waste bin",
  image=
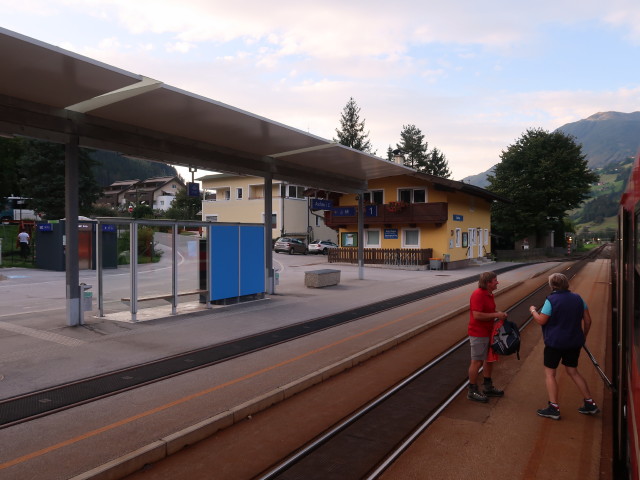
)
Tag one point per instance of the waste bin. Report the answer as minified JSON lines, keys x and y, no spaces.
{"x":435,"y":264}
{"x":87,"y":297}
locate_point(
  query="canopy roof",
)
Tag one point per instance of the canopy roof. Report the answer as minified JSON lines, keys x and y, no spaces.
{"x":49,"y":93}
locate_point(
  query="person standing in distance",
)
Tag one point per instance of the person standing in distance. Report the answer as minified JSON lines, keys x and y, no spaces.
{"x":23,"y":240}
{"x":565,"y":322}
{"x":482,"y":315}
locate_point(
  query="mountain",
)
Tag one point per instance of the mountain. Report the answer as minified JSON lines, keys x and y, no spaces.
{"x":111,"y":167}
{"x":606,"y":138}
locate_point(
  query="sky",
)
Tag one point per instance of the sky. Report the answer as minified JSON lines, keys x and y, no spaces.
{"x":472,"y":76}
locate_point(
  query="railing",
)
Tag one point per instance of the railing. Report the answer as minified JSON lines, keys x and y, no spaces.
{"x":393,"y":214}
{"x":382,"y":256}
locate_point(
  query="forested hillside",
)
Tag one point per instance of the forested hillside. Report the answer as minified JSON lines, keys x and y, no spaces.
{"x":111,"y":167}
{"x":605,"y":196}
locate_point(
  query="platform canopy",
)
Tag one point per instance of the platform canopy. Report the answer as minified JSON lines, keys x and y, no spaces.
{"x":50,"y":93}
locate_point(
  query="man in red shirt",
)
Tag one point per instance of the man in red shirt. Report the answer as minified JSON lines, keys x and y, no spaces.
{"x":482,"y":315}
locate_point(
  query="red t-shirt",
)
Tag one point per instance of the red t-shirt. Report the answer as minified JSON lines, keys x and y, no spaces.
{"x":481,"y":301}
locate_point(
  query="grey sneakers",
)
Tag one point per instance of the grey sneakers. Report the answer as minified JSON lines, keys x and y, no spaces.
{"x":476,"y":396}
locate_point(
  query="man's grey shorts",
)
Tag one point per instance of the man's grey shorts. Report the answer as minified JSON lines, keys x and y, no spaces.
{"x":479,"y":347}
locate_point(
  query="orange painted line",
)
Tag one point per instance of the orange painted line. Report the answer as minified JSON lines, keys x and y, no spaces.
{"x":125,"y":421}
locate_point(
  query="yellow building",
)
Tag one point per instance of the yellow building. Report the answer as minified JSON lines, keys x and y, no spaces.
{"x":241,"y":199}
{"x":419,"y":211}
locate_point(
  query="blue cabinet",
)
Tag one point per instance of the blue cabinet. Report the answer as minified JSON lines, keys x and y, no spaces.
{"x":236,"y":253}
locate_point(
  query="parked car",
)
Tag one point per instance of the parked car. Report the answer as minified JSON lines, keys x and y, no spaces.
{"x":321,"y":246}
{"x":290,"y":245}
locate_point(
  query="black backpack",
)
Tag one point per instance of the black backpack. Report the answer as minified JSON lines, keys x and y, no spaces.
{"x":506,"y":340}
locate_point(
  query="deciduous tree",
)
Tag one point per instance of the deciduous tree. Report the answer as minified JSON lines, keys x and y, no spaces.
{"x":41,"y":170}
{"x":545,"y":175}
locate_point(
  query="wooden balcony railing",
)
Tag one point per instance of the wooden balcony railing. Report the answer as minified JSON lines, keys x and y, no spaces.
{"x":391,"y":213}
{"x":382,"y":256}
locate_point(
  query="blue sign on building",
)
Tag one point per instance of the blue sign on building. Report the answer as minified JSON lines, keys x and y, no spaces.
{"x":45,"y":227}
{"x":321,"y":204}
{"x":108,"y":227}
{"x":371,"y":211}
{"x":458,"y":218}
{"x":344,"y":211}
{"x":391,"y":233}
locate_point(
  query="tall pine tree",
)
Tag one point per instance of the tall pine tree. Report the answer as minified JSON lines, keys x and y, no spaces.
{"x":351,"y":132}
{"x":438,"y":164}
{"x":413,"y":147}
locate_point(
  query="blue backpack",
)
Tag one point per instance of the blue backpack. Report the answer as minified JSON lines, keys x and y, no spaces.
{"x":506,"y":340}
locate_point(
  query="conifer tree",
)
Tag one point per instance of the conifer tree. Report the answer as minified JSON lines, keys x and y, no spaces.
{"x":437,"y":164}
{"x":351,"y":132}
{"x":413,"y":147}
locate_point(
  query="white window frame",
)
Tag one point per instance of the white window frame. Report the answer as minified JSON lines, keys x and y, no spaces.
{"x":239,"y":193}
{"x":368,"y":244}
{"x":211,"y":218}
{"x":404,"y":237}
{"x":486,"y":236}
{"x":458,"y":237}
{"x":413,"y":190}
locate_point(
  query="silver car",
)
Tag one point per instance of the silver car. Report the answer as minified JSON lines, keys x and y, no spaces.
{"x":321,"y":246}
{"x":290,"y":245}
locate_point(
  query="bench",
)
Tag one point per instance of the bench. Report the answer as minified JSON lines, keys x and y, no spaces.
{"x":321,"y":278}
{"x":167,"y":297}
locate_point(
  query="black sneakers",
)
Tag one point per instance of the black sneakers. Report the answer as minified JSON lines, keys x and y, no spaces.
{"x":550,"y":412}
{"x":589,"y":408}
{"x":491,"y":391}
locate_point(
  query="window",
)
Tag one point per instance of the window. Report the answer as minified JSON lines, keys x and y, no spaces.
{"x":374,"y":196}
{"x":211,"y":218}
{"x":412,"y":195}
{"x":239,"y":193}
{"x":274,"y":220}
{"x":486,"y":236}
{"x":410,"y":238}
{"x":458,"y":237}
{"x":292,"y":191}
{"x":372,"y":238}
{"x":227,"y":194}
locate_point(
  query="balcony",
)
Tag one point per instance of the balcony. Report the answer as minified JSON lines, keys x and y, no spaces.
{"x":435,"y":213}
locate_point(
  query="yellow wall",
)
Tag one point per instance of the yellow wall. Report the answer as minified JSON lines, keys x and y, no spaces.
{"x":474,"y":211}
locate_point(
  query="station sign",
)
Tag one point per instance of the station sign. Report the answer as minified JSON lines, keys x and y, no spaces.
{"x":321,"y":204}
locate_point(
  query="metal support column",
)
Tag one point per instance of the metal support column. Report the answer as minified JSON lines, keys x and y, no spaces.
{"x":174,"y":269}
{"x":72,"y":268}
{"x":133,"y":267}
{"x":360,"y":197}
{"x":268,"y":228}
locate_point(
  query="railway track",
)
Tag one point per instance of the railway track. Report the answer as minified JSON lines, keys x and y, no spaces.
{"x":365,"y":443}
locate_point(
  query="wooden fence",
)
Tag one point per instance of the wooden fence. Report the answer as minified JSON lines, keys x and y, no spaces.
{"x":382,"y":256}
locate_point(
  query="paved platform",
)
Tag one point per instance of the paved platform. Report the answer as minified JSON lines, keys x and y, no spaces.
{"x":38,"y":350}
